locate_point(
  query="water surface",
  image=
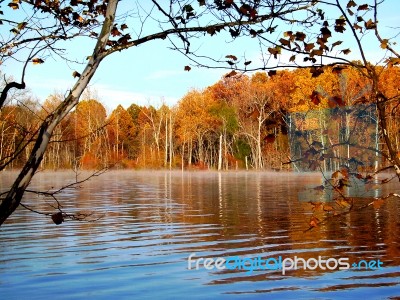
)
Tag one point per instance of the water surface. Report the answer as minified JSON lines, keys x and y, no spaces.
{"x":152,"y":222}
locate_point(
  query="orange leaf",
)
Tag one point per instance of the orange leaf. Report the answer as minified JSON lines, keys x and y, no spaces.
{"x":13,"y":5}
{"x":37,"y":61}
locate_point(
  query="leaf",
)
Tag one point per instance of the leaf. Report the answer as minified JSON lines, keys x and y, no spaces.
{"x":288,"y":33}
{"x":37,"y":61}
{"x":300,"y":36}
{"x":246,"y":63}
{"x":76,"y":74}
{"x":308,"y":47}
{"x":316,"y":52}
{"x":351,"y":3}
{"x":230,"y":74}
{"x":233,"y":57}
{"x":292,"y":58}
{"x":346,"y":51}
{"x":363,"y":7}
{"x":15,"y":31}
{"x":187,"y":68}
{"x":201,"y":2}
{"x":370,"y":24}
{"x":285,"y":42}
{"x":124,"y":39}
{"x":115,"y":31}
{"x":22,"y":25}
{"x":384,"y":43}
{"x":124,"y":26}
{"x":188,"y":8}
{"x":275,"y":51}
{"x":57,"y":218}
{"x":337,"y":43}
{"x":13,"y":5}
{"x":326,"y":33}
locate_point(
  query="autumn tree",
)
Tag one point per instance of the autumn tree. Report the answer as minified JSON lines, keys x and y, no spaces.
{"x":121,"y":133}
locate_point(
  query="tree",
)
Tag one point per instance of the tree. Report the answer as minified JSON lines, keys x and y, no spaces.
{"x":121,"y":132}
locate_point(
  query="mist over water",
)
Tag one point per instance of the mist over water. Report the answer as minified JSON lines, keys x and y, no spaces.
{"x":153,"y":221}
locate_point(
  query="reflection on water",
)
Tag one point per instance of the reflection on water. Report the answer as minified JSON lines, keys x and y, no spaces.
{"x":155,"y":220}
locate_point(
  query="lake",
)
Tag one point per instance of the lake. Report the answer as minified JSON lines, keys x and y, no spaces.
{"x":153,"y":221}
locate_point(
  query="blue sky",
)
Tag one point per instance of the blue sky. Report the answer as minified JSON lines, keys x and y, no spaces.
{"x":152,"y":73}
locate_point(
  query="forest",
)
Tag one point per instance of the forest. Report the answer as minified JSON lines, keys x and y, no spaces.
{"x":240,"y":122}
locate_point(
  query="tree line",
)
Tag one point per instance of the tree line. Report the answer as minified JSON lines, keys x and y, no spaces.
{"x":239,"y":122}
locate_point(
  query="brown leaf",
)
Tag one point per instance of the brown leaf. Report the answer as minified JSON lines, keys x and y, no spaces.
{"x":76,"y":74}
{"x":384,"y":43}
{"x":271,"y":73}
{"x":246,"y":63}
{"x":115,"y":31}
{"x":346,"y":51}
{"x":57,"y":218}
{"x":187,"y":68}
{"x":13,"y":5}
{"x":124,"y":26}
{"x":351,"y":3}
{"x":363,"y":7}
{"x":284,"y":42}
{"x":308,"y":47}
{"x":231,"y":73}
{"x":37,"y":61}
{"x":233,"y":57}
{"x":292,"y":58}
{"x":300,"y":36}
{"x":370,"y":24}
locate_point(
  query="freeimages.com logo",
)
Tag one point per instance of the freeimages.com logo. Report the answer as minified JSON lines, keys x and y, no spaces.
{"x":251,"y":264}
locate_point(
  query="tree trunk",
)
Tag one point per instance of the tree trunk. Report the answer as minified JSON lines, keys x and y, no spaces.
{"x":14,"y":196}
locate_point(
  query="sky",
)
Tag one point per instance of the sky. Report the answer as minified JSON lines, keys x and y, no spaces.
{"x":152,"y":73}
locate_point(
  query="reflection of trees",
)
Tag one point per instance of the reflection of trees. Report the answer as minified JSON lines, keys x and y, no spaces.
{"x":256,"y":214}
